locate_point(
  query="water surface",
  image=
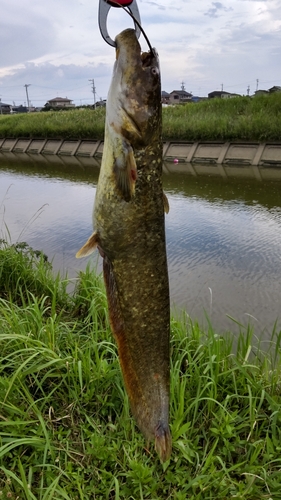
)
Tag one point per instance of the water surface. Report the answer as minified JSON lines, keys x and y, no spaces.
{"x":223,"y":230}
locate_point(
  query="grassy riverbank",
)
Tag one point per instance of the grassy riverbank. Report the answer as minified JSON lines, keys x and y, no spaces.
{"x":240,"y":118}
{"x":65,"y":425}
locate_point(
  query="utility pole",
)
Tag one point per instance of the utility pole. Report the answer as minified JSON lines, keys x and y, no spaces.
{"x":222,"y":87}
{"x":27,"y":85}
{"x":182,"y":86}
{"x":248,"y":90}
{"x":93,"y":90}
{"x":1,"y":106}
{"x":257,"y":85}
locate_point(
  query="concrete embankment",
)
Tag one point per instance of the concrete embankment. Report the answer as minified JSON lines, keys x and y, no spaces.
{"x":248,"y":153}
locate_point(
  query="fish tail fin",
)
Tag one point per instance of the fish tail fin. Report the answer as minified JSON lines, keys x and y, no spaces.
{"x":163,"y":442}
{"x":126,"y":172}
{"x":89,"y":247}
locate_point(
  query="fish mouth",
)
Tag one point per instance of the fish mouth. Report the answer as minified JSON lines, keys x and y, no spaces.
{"x":147,"y":58}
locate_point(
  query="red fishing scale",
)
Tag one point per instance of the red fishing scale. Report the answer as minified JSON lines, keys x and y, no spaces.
{"x":118,"y":3}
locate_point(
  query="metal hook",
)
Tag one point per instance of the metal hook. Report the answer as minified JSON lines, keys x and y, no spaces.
{"x":105,"y":6}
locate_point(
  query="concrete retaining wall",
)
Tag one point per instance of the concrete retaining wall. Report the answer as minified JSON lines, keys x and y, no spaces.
{"x":247,"y":153}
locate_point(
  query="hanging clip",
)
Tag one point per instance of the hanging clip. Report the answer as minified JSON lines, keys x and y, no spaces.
{"x":105,"y":6}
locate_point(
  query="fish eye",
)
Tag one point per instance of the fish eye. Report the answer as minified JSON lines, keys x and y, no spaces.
{"x":154,"y":71}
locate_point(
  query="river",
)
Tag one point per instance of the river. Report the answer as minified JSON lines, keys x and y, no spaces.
{"x":223,"y":231}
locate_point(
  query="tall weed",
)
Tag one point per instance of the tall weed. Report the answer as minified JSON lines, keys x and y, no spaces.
{"x":238,"y":118}
{"x":65,"y":425}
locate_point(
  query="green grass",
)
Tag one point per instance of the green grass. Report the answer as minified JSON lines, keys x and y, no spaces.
{"x":239,"y":118}
{"x":65,"y":427}
{"x":77,"y":123}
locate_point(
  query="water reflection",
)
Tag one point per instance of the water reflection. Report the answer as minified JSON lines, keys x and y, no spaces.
{"x":223,"y":229}
{"x":48,"y":203}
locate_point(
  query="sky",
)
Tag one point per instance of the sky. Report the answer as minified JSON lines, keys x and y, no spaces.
{"x":56,"y":48}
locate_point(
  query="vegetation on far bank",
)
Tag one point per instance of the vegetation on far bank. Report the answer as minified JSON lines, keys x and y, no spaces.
{"x":239,"y":118}
{"x":65,"y":425}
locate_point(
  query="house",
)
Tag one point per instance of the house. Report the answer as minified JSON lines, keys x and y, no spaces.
{"x":179,"y":96}
{"x":19,"y":109}
{"x":60,"y":102}
{"x":5,"y":109}
{"x":221,"y":94}
{"x":196,"y":98}
{"x":276,"y":88}
{"x":165,"y":96}
{"x":100,"y":104}
{"x":261,"y":92}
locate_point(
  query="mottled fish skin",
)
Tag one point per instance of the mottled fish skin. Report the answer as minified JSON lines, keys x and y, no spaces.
{"x":129,"y":228}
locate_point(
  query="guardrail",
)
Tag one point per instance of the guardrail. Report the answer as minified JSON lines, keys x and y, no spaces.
{"x":248,"y":153}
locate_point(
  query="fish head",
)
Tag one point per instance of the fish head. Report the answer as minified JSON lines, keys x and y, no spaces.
{"x":134,"y":99}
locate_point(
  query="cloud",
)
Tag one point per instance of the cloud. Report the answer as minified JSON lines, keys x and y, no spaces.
{"x":21,"y":41}
{"x":48,"y":81}
{"x":57,"y":47}
{"x":217,"y":7}
{"x":160,"y":7}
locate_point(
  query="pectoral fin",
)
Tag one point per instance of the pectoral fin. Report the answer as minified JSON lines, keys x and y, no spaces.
{"x":166,"y":203}
{"x":89,"y":247}
{"x":125,"y":169}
